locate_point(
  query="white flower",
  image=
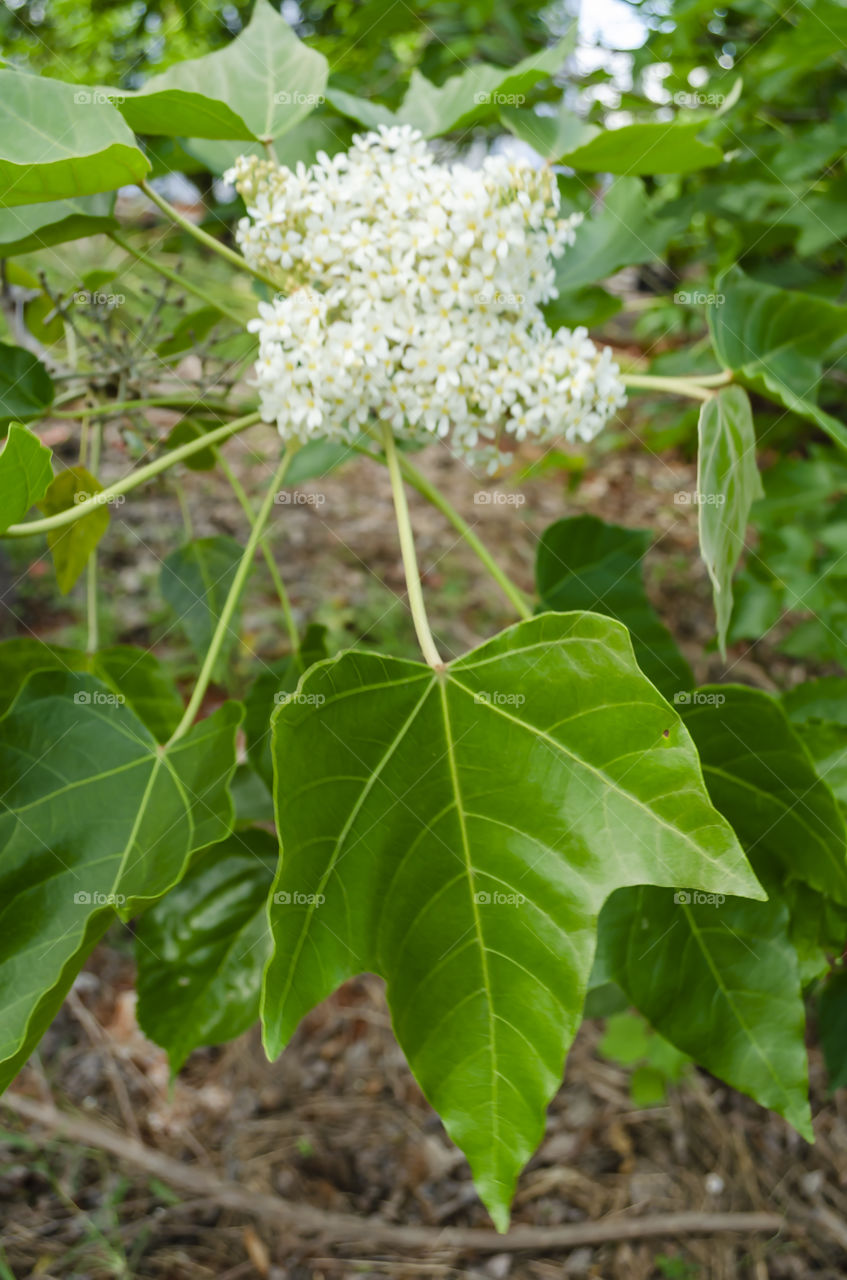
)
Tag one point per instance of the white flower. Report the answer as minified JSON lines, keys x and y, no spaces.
{"x":412,"y":293}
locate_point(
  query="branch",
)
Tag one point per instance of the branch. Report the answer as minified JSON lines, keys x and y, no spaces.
{"x":306,"y":1220}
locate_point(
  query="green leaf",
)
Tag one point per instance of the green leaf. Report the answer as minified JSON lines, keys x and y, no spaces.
{"x":96,"y":820}
{"x":202,"y":948}
{"x":763,"y":781}
{"x":256,"y":88}
{"x":25,"y":474}
{"x":717,"y":977}
{"x":457,"y":832}
{"x":625,"y":232}
{"x":72,"y":544}
{"x":195,"y":581}
{"x":26,"y":388}
{"x":370,"y":114}
{"x":61,"y":140}
{"x":728,"y":484}
{"x":134,"y":674}
{"x":654,"y":147}
{"x":190,"y":331}
{"x":583,"y":563}
{"x":824,"y":699}
{"x":832,"y":1028}
{"x":478,"y":91}
{"x":775,"y":340}
{"x":549,"y":135}
{"x":31,"y":227}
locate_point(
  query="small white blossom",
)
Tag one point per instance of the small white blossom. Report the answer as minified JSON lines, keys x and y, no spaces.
{"x":412,"y":294}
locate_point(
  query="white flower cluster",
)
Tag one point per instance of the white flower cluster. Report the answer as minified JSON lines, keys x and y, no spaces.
{"x":412,"y":294}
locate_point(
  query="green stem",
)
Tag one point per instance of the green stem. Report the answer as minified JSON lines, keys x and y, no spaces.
{"x":276,"y":577}
{"x":692,"y":387}
{"x":407,"y":550}
{"x":233,"y":596}
{"x":235,"y":259}
{"x":164,"y":402}
{"x":427,"y":489}
{"x":176,"y":278}
{"x":96,"y":440}
{"x":131,"y":481}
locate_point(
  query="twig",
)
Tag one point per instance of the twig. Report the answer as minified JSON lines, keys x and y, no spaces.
{"x":306,"y":1220}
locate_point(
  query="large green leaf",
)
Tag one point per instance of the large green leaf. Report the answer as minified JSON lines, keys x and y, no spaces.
{"x":61,"y":140}
{"x":26,"y":388}
{"x":583,"y":563}
{"x":95,"y":820}
{"x":625,"y":232}
{"x":728,"y":484}
{"x":718,"y":977}
{"x":31,"y":227}
{"x":202,"y":948}
{"x":653,"y":147}
{"x":25,"y":474}
{"x":256,"y":88}
{"x":775,"y":340}
{"x":478,"y":91}
{"x":458,"y":832}
{"x":72,"y":544}
{"x":134,"y":674}
{"x":195,"y":581}
{"x":763,"y":780}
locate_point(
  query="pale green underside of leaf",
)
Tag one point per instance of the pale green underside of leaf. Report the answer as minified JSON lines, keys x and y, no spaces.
{"x":728,"y":484}
{"x":30,"y":227}
{"x":543,"y":764}
{"x":258,"y":87}
{"x":90,"y":807}
{"x":58,"y":141}
{"x":643,"y":148}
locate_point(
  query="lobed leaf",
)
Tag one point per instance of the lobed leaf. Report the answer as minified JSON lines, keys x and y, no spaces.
{"x":458,"y":832}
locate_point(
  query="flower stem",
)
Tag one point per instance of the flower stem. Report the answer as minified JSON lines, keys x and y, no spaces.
{"x":164,"y":402}
{"x":132,"y":480}
{"x":276,"y":577}
{"x":696,"y":387}
{"x":176,"y":278}
{"x":407,"y":550}
{"x":428,"y":490}
{"x":235,"y":259}
{"x":93,"y":643}
{"x":233,"y":596}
